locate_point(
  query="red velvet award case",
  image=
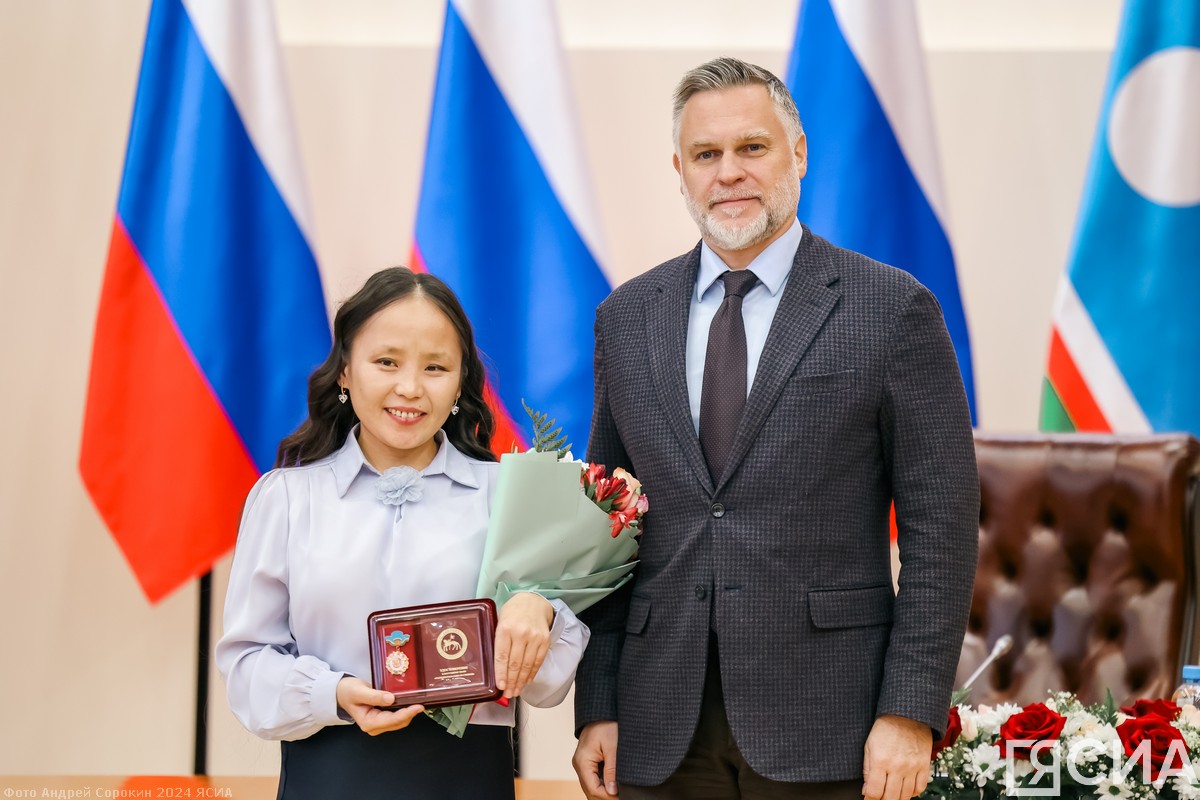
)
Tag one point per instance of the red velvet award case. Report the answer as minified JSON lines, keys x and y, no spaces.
{"x":438,"y":654}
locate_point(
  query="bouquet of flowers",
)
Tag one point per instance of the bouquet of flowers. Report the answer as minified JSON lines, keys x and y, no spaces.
{"x":1062,"y":748}
{"x":558,"y":527}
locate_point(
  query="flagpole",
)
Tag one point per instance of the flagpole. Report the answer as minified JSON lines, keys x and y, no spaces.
{"x":203,"y":638}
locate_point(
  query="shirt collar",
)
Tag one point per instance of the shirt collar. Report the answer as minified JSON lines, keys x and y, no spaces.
{"x":349,"y":463}
{"x":454,"y":465}
{"x":771,"y":266}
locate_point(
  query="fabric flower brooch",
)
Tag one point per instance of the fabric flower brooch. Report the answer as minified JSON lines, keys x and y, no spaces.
{"x":399,"y":485}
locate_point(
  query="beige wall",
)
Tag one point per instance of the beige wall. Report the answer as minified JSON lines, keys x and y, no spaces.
{"x":95,"y":679}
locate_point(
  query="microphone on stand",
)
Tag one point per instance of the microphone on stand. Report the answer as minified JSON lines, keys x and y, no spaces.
{"x":1002,"y":646}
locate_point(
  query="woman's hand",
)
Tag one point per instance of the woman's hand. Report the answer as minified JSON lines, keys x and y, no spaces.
{"x":359,"y":700}
{"x":522,"y":639}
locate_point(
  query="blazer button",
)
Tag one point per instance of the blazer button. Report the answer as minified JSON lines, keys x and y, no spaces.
{"x":718,"y":510}
{"x":700,"y":592}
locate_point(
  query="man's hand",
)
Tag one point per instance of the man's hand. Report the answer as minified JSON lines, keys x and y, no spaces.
{"x":896,"y":759}
{"x":360,"y":701}
{"x":522,"y":640}
{"x":595,"y":760}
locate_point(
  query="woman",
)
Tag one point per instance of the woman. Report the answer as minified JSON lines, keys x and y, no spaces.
{"x":327,"y":538}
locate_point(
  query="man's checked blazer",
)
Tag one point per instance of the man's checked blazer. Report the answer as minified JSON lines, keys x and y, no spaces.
{"x":857,"y":401}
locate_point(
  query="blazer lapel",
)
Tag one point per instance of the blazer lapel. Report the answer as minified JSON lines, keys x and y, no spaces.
{"x":808,"y":298}
{"x":667,"y":309}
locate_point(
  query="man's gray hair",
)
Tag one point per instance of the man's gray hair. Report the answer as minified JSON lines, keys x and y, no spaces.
{"x":726,"y":73}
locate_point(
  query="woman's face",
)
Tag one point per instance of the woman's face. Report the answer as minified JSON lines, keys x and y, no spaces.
{"x":403,"y":375}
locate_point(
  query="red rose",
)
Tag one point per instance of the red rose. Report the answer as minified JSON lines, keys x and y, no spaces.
{"x":953,"y":729}
{"x":1154,"y":735}
{"x":1164,"y":708}
{"x":1035,"y":724}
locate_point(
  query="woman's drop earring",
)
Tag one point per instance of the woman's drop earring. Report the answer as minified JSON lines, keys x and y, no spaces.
{"x":342,"y":396}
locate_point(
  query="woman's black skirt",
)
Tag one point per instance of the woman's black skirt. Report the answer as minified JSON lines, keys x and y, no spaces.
{"x":421,"y":761}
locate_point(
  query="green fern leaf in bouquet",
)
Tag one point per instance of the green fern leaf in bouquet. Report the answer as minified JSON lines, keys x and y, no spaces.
{"x":546,"y":438}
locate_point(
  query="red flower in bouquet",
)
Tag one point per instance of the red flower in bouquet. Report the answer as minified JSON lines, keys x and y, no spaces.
{"x":1166,"y":709}
{"x":1156,"y":739}
{"x":607,"y":492}
{"x":1036,"y":723}
{"x":953,"y":731}
{"x":619,"y":495}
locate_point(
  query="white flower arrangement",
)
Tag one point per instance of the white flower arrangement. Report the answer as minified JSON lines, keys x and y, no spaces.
{"x":1062,"y":748}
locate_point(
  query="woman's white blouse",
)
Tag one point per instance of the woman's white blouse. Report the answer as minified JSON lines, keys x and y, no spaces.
{"x":317,"y":552}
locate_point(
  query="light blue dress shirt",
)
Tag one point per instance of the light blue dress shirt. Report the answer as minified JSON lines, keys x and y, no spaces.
{"x":758,"y":307}
{"x":318,"y":552}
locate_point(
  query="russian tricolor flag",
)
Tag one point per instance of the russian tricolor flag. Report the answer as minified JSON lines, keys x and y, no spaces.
{"x":211,"y":314}
{"x":506,"y":214}
{"x":874,"y":183}
{"x":1125,"y":347}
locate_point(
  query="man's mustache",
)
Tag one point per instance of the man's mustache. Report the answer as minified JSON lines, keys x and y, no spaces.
{"x":713,"y":199}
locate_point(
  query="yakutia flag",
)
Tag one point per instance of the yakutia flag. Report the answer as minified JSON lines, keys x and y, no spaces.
{"x":874,"y":183}
{"x":1125,"y":347}
{"x":211,"y":314}
{"x":506,"y":215}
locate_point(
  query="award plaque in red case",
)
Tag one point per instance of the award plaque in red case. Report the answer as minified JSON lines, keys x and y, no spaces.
{"x":435,"y":655}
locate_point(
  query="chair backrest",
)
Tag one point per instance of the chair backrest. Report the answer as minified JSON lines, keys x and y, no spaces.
{"x":1087,"y":558}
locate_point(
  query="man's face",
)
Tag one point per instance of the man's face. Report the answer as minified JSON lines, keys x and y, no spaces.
{"x":740,"y":177}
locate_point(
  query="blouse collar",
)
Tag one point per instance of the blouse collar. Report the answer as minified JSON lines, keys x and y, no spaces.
{"x":349,"y":463}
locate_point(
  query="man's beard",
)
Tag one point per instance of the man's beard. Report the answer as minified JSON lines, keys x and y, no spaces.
{"x":778,"y":206}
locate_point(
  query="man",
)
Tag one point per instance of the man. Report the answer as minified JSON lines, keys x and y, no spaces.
{"x":773,"y":419}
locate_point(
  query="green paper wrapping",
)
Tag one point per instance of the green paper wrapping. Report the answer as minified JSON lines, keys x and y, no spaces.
{"x":546,"y":536}
{"x":453,"y":718}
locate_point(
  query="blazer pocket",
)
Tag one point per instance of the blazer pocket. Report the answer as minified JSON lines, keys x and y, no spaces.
{"x":639,"y":614}
{"x":826,"y":383}
{"x":851,"y":608}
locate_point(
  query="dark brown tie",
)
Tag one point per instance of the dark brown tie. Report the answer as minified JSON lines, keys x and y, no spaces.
{"x":723,"y":394}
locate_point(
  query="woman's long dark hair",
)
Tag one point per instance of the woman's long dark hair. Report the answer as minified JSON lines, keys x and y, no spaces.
{"x":329,"y":421}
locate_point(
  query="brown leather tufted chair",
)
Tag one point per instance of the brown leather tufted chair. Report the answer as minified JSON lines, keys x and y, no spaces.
{"x":1087,"y":557}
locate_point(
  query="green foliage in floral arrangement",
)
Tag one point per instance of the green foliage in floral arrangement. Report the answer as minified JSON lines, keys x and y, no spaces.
{"x":546,"y":440}
{"x":960,"y":696}
{"x":1106,"y":712}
